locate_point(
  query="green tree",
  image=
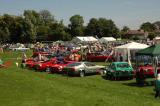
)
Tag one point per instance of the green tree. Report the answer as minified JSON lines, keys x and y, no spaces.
{"x":124,"y":31}
{"x":46,"y":17}
{"x":76,"y":25}
{"x":32,"y":20}
{"x":157,"y":23}
{"x":59,"y":32}
{"x":4,"y":31}
{"x":149,"y":27}
{"x":92,"y":27}
{"x":102,"y":28}
{"x":151,"y":35}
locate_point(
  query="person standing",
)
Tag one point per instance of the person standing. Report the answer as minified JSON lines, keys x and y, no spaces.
{"x":157,"y":84}
{"x":24,"y":57}
{"x":120,"y":57}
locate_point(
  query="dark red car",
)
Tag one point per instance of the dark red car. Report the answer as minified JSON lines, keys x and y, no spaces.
{"x":97,"y":57}
{"x":58,"y":67}
{"x":148,"y":70}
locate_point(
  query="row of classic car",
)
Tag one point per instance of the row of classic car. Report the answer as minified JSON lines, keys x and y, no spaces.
{"x":116,"y":69}
{"x":113,"y":71}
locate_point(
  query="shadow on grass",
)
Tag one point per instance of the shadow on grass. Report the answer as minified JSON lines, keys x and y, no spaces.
{"x":118,"y":79}
{"x":146,"y":84}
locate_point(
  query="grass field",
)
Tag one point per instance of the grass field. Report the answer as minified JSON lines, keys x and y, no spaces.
{"x":22,"y":87}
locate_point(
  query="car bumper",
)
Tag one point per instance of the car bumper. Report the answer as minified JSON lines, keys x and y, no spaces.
{"x":72,"y":72}
{"x":121,"y":74}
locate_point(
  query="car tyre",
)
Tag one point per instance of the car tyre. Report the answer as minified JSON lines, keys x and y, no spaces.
{"x":82,"y":74}
{"x":48,"y":70}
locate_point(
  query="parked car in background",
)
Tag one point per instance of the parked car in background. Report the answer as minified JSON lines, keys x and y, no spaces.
{"x":83,"y":68}
{"x":97,"y":57}
{"x":119,"y":69}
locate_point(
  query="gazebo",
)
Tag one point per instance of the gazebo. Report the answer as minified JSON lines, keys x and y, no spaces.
{"x":154,"y":53}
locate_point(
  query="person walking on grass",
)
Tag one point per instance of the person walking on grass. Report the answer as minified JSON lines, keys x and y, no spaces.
{"x":157,"y":84}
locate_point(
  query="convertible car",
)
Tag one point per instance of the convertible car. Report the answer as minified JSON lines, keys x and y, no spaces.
{"x":34,"y":60}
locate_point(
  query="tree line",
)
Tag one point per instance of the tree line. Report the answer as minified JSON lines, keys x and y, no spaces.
{"x":35,"y":26}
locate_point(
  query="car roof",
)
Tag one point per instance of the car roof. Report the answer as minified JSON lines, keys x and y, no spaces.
{"x":120,"y":62}
{"x":83,"y":62}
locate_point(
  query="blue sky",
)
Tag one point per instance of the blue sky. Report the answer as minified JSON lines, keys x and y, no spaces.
{"x":123,"y":12}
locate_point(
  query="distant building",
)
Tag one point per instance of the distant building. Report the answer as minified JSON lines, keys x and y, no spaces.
{"x":139,"y":34}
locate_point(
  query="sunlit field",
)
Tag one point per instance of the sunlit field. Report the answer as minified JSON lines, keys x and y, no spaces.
{"x":23,"y":87}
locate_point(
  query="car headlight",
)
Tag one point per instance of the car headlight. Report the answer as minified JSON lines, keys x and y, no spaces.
{"x":60,"y":67}
{"x":40,"y":65}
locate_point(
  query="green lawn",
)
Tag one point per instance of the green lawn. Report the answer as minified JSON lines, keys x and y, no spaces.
{"x":22,"y":87}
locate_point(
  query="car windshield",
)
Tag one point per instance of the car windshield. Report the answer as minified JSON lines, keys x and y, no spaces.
{"x":123,"y":65}
{"x":74,"y":64}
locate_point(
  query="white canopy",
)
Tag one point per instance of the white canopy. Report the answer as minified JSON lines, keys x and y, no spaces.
{"x":107,"y":39}
{"x":132,"y":45}
{"x":128,"y":50}
{"x":84,"y":39}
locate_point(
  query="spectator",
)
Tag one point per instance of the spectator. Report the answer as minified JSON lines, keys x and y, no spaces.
{"x":120,"y":57}
{"x":24,"y":57}
{"x":140,"y":77}
{"x":157,"y":84}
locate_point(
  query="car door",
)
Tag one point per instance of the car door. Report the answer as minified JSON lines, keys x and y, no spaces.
{"x":90,"y":67}
{"x":111,"y":68}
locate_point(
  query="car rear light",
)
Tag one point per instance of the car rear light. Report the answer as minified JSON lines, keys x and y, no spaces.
{"x":73,"y":69}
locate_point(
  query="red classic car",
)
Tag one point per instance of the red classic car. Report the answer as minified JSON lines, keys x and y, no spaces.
{"x":42,"y":66}
{"x":97,"y":57}
{"x":148,"y":70}
{"x":58,"y":67}
{"x":34,"y":60}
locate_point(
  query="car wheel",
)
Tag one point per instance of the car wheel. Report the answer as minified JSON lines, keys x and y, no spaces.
{"x":112,"y":77}
{"x":108,"y":76}
{"x":47,"y":70}
{"x":36,"y":68}
{"x":82,"y":74}
{"x":103,"y":72}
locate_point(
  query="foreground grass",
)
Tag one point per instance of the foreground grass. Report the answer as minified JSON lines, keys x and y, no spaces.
{"x":22,"y":87}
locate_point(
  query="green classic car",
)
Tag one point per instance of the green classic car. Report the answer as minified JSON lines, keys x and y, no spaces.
{"x":119,"y":69}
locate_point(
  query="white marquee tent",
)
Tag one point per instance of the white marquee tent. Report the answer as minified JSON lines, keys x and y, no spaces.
{"x":107,"y":39}
{"x":80,"y":39}
{"x":128,"y":50}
